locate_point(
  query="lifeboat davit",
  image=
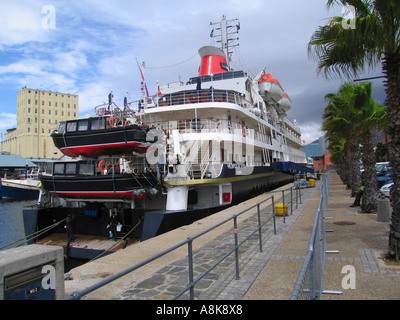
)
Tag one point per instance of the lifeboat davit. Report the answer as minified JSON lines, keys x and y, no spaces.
{"x":285,"y":103}
{"x":270,"y":89}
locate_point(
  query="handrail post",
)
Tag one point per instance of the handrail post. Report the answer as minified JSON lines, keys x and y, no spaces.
{"x":259,"y":227}
{"x":190,"y":257}
{"x":236,"y":247}
{"x":291,"y":201}
{"x":273,"y":214}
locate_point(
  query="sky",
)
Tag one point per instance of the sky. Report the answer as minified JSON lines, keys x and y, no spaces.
{"x":90,"y":47}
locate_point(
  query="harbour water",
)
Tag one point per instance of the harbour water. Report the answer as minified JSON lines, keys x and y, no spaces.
{"x":11,"y":221}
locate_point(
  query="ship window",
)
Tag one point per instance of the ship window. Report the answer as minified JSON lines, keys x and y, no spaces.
{"x":61,"y":128}
{"x":98,"y":124}
{"x":70,"y":168}
{"x":59,"y":168}
{"x":86,"y":169}
{"x":83,"y":125}
{"x":71,"y":126}
{"x":49,"y":168}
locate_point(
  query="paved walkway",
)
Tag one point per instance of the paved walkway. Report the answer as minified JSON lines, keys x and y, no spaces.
{"x":270,"y":274}
{"x":360,"y":241}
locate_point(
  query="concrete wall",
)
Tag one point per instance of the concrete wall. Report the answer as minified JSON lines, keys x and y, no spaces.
{"x":17,"y":260}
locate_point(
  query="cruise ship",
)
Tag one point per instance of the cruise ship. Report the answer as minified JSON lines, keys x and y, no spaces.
{"x":214,"y":140}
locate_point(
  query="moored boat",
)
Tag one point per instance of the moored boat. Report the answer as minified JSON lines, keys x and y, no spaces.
{"x":113,"y":131}
{"x":20,"y":188}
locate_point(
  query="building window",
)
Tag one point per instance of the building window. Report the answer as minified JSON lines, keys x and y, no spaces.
{"x":29,"y":101}
{"x":49,"y":103}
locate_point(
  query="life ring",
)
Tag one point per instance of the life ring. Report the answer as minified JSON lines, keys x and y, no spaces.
{"x":112,"y":122}
{"x":101,"y":112}
{"x":100,"y":166}
{"x":126,"y":123}
{"x":141,"y":196}
{"x":243,"y":132}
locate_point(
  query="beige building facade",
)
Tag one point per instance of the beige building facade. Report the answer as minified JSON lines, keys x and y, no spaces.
{"x":38,"y":114}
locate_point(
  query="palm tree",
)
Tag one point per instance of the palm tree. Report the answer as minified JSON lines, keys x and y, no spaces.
{"x":372,"y":115}
{"x":350,"y":115}
{"x":346,"y":51}
{"x":339,"y":121}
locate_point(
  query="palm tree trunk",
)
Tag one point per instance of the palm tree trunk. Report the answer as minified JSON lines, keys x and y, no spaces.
{"x":354,"y":165}
{"x":346,"y":165}
{"x":391,"y":67}
{"x":369,"y":201}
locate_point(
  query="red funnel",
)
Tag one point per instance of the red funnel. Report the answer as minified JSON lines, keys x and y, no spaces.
{"x":213,"y":61}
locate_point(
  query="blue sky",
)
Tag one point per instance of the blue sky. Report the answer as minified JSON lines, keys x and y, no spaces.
{"x":94,"y":44}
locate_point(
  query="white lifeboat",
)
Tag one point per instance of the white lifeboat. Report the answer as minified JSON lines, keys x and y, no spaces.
{"x":285,"y":103}
{"x":270,"y":89}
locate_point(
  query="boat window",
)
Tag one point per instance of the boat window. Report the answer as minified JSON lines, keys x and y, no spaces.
{"x":59,"y":168}
{"x":49,"y":168}
{"x":71,"y":126}
{"x":70,"y":168}
{"x":86,"y":169}
{"x":83,"y":125}
{"x":61,"y":127}
{"x":98,"y":123}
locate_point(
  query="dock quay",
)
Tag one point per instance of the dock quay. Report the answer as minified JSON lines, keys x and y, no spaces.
{"x":165,"y":277}
{"x":355,"y":239}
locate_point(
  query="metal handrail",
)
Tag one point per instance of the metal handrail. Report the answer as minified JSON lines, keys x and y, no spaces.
{"x":315,"y":246}
{"x":79,"y":294}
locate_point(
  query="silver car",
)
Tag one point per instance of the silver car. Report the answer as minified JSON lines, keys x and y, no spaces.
{"x":385,"y":189}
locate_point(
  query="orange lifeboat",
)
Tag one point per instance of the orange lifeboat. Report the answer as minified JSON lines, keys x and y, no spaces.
{"x":270,"y":88}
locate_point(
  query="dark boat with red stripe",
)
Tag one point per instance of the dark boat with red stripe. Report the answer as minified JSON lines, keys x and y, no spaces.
{"x":111,"y":132}
{"x":97,"y":179}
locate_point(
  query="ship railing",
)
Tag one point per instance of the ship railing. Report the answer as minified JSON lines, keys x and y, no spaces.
{"x":264,"y":225}
{"x":112,"y":110}
{"x":202,"y":96}
{"x":213,"y":126}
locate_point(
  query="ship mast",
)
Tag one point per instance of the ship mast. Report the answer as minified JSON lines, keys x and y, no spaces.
{"x":226,"y":34}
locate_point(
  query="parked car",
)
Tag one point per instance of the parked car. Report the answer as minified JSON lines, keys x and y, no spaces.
{"x":385,"y":189}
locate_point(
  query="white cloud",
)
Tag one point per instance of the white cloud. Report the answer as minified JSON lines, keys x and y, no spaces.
{"x":7,"y":120}
{"x":311,"y":132}
{"x":70,"y":62}
{"x":21,"y":21}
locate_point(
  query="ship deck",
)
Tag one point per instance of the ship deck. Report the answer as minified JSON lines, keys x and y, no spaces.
{"x":86,"y":242}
